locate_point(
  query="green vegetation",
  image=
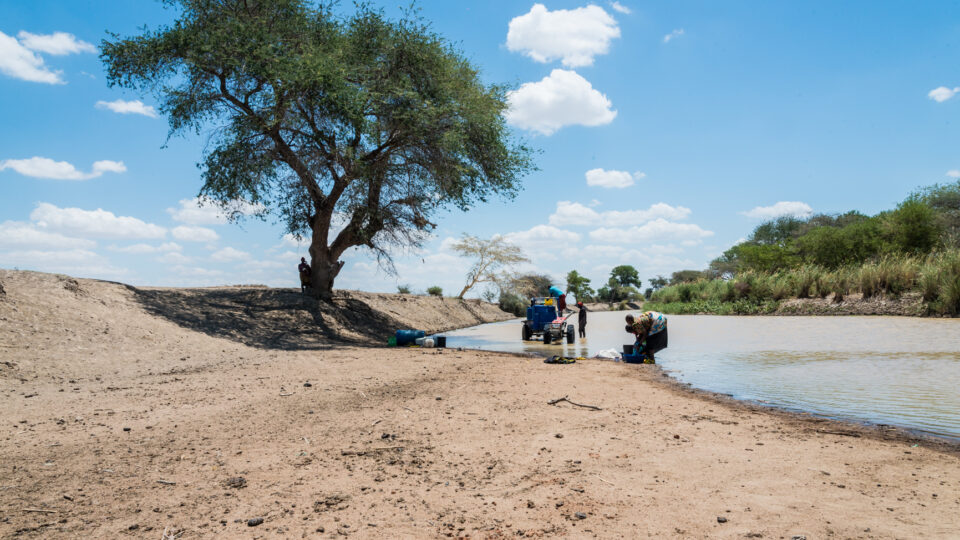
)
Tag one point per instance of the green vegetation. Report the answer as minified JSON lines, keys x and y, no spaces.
{"x":622,"y":286}
{"x":914,"y":248}
{"x":403,"y":289}
{"x":579,"y":286}
{"x":435,"y":291}
{"x":357,"y":124}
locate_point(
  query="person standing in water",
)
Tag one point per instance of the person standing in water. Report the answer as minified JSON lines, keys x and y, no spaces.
{"x":582,"y":319}
{"x":651,"y":332}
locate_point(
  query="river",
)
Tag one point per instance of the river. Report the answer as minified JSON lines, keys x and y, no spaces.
{"x":884,"y":370}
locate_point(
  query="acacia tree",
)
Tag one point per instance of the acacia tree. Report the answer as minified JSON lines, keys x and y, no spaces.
{"x":361,"y":122}
{"x":490,"y":257}
{"x":579,"y":286}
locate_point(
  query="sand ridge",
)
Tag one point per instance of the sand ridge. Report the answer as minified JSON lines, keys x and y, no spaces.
{"x":122,"y":423}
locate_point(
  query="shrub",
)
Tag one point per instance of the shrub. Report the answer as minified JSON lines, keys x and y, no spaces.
{"x":435,"y":291}
{"x":403,"y":289}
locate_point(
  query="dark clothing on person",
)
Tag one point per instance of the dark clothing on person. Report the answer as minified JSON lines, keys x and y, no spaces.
{"x":582,"y":321}
{"x":562,"y":304}
{"x":305,"y":271}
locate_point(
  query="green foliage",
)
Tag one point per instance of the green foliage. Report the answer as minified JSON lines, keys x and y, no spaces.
{"x":625,"y":276}
{"x":914,"y":227}
{"x":685,"y":276}
{"x":579,"y":286}
{"x":945,"y":200}
{"x":435,"y":291}
{"x":357,"y":120}
{"x":403,"y":289}
{"x":658,"y":283}
{"x":513,"y":303}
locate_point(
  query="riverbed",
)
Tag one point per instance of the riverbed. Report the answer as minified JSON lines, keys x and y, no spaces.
{"x":883,"y":370}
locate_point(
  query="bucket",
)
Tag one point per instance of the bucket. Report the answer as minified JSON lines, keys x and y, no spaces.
{"x":628,"y":349}
{"x":407,"y":337}
{"x":427,"y":342}
{"x":392,"y":342}
{"x":441,"y":341}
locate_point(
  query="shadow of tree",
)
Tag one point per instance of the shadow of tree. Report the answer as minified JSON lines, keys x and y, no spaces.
{"x":270,"y":318}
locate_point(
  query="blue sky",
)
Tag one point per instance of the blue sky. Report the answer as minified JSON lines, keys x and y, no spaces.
{"x":680,"y":125}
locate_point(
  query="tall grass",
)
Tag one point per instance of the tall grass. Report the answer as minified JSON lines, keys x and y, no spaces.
{"x":935,"y":277}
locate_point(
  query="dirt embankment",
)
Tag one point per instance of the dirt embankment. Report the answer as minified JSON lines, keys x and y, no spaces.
{"x":909,"y":305}
{"x":144,"y":414}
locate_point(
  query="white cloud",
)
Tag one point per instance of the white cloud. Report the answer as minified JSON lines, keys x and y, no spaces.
{"x":142,"y":249}
{"x":93,"y":223}
{"x":75,"y":262}
{"x":195,"y":271}
{"x":573,"y":213}
{"x":953,"y":173}
{"x":560,"y":99}
{"x":612,"y":179}
{"x":204,"y":211}
{"x":620,"y":8}
{"x":229,"y":254}
{"x":173,"y":257}
{"x":57,"y":43}
{"x":673,"y":35}
{"x":15,"y":234}
{"x":942,"y":93}
{"x":41,"y":167}
{"x":574,"y":36}
{"x":20,"y":62}
{"x":120,"y":106}
{"x":780,"y":209}
{"x":194,"y":234}
{"x":658,"y":230}
{"x":542,"y":241}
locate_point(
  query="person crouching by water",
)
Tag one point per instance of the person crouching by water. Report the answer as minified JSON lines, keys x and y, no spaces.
{"x":582,"y":319}
{"x":651,"y":332}
{"x":304,"y":269}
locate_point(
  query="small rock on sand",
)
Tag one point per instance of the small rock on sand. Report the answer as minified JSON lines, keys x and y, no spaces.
{"x":721,"y":519}
{"x":253,"y":522}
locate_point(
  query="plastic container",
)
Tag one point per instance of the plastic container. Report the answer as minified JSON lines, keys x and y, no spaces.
{"x":392,"y":342}
{"x":441,"y":341}
{"x":427,"y":343}
{"x":627,"y":350}
{"x":408,"y":337}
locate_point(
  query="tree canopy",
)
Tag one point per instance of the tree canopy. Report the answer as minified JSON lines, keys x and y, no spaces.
{"x":353,"y":129}
{"x":490,"y":257}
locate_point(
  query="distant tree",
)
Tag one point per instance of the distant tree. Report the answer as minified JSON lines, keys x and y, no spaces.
{"x":489,"y":294}
{"x":435,"y":291}
{"x":358,"y":121}
{"x":626,"y":276}
{"x":685,"y":276}
{"x":945,"y":200}
{"x":915,"y":227}
{"x":403,"y":289}
{"x":490,"y":258}
{"x":530,"y":285}
{"x":579,"y":286}
{"x":648,"y":293}
{"x":659,"y":282}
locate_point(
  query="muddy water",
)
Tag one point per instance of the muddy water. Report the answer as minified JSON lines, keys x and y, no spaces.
{"x":888,"y":370}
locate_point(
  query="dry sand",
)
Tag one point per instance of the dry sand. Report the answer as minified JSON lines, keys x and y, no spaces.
{"x":130,"y":414}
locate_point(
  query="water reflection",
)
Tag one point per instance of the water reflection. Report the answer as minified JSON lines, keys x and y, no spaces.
{"x":889,"y":370}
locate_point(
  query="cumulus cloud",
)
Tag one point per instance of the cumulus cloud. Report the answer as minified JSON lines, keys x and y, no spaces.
{"x":560,"y":99}
{"x":173,"y":257}
{"x":573,"y":213}
{"x":143,"y":249}
{"x":204,"y":211}
{"x":97,"y":223}
{"x":41,"y":167}
{"x":573,"y":36}
{"x":14,"y":234}
{"x":673,"y":35}
{"x":21,"y":63}
{"x":942,"y":93}
{"x":19,"y":59}
{"x":120,"y":106}
{"x":542,"y":240}
{"x":194,"y":234}
{"x":953,"y":173}
{"x":57,"y":43}
{"x":76,"y":262}
{"x":229,"y":254}
{"x":620,"y":8}
{"x":612,"y":179}
{"x":658,"y":230}
{"x":780,"y":209}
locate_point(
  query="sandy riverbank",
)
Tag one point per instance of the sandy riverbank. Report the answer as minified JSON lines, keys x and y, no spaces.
{"x":130,"y":423}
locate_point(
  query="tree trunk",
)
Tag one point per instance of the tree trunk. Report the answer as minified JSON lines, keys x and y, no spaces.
{"x":324,"y":265}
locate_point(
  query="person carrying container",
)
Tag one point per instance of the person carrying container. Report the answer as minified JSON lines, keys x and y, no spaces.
{"x":582,"y":319}
{"x":650,"y":330}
